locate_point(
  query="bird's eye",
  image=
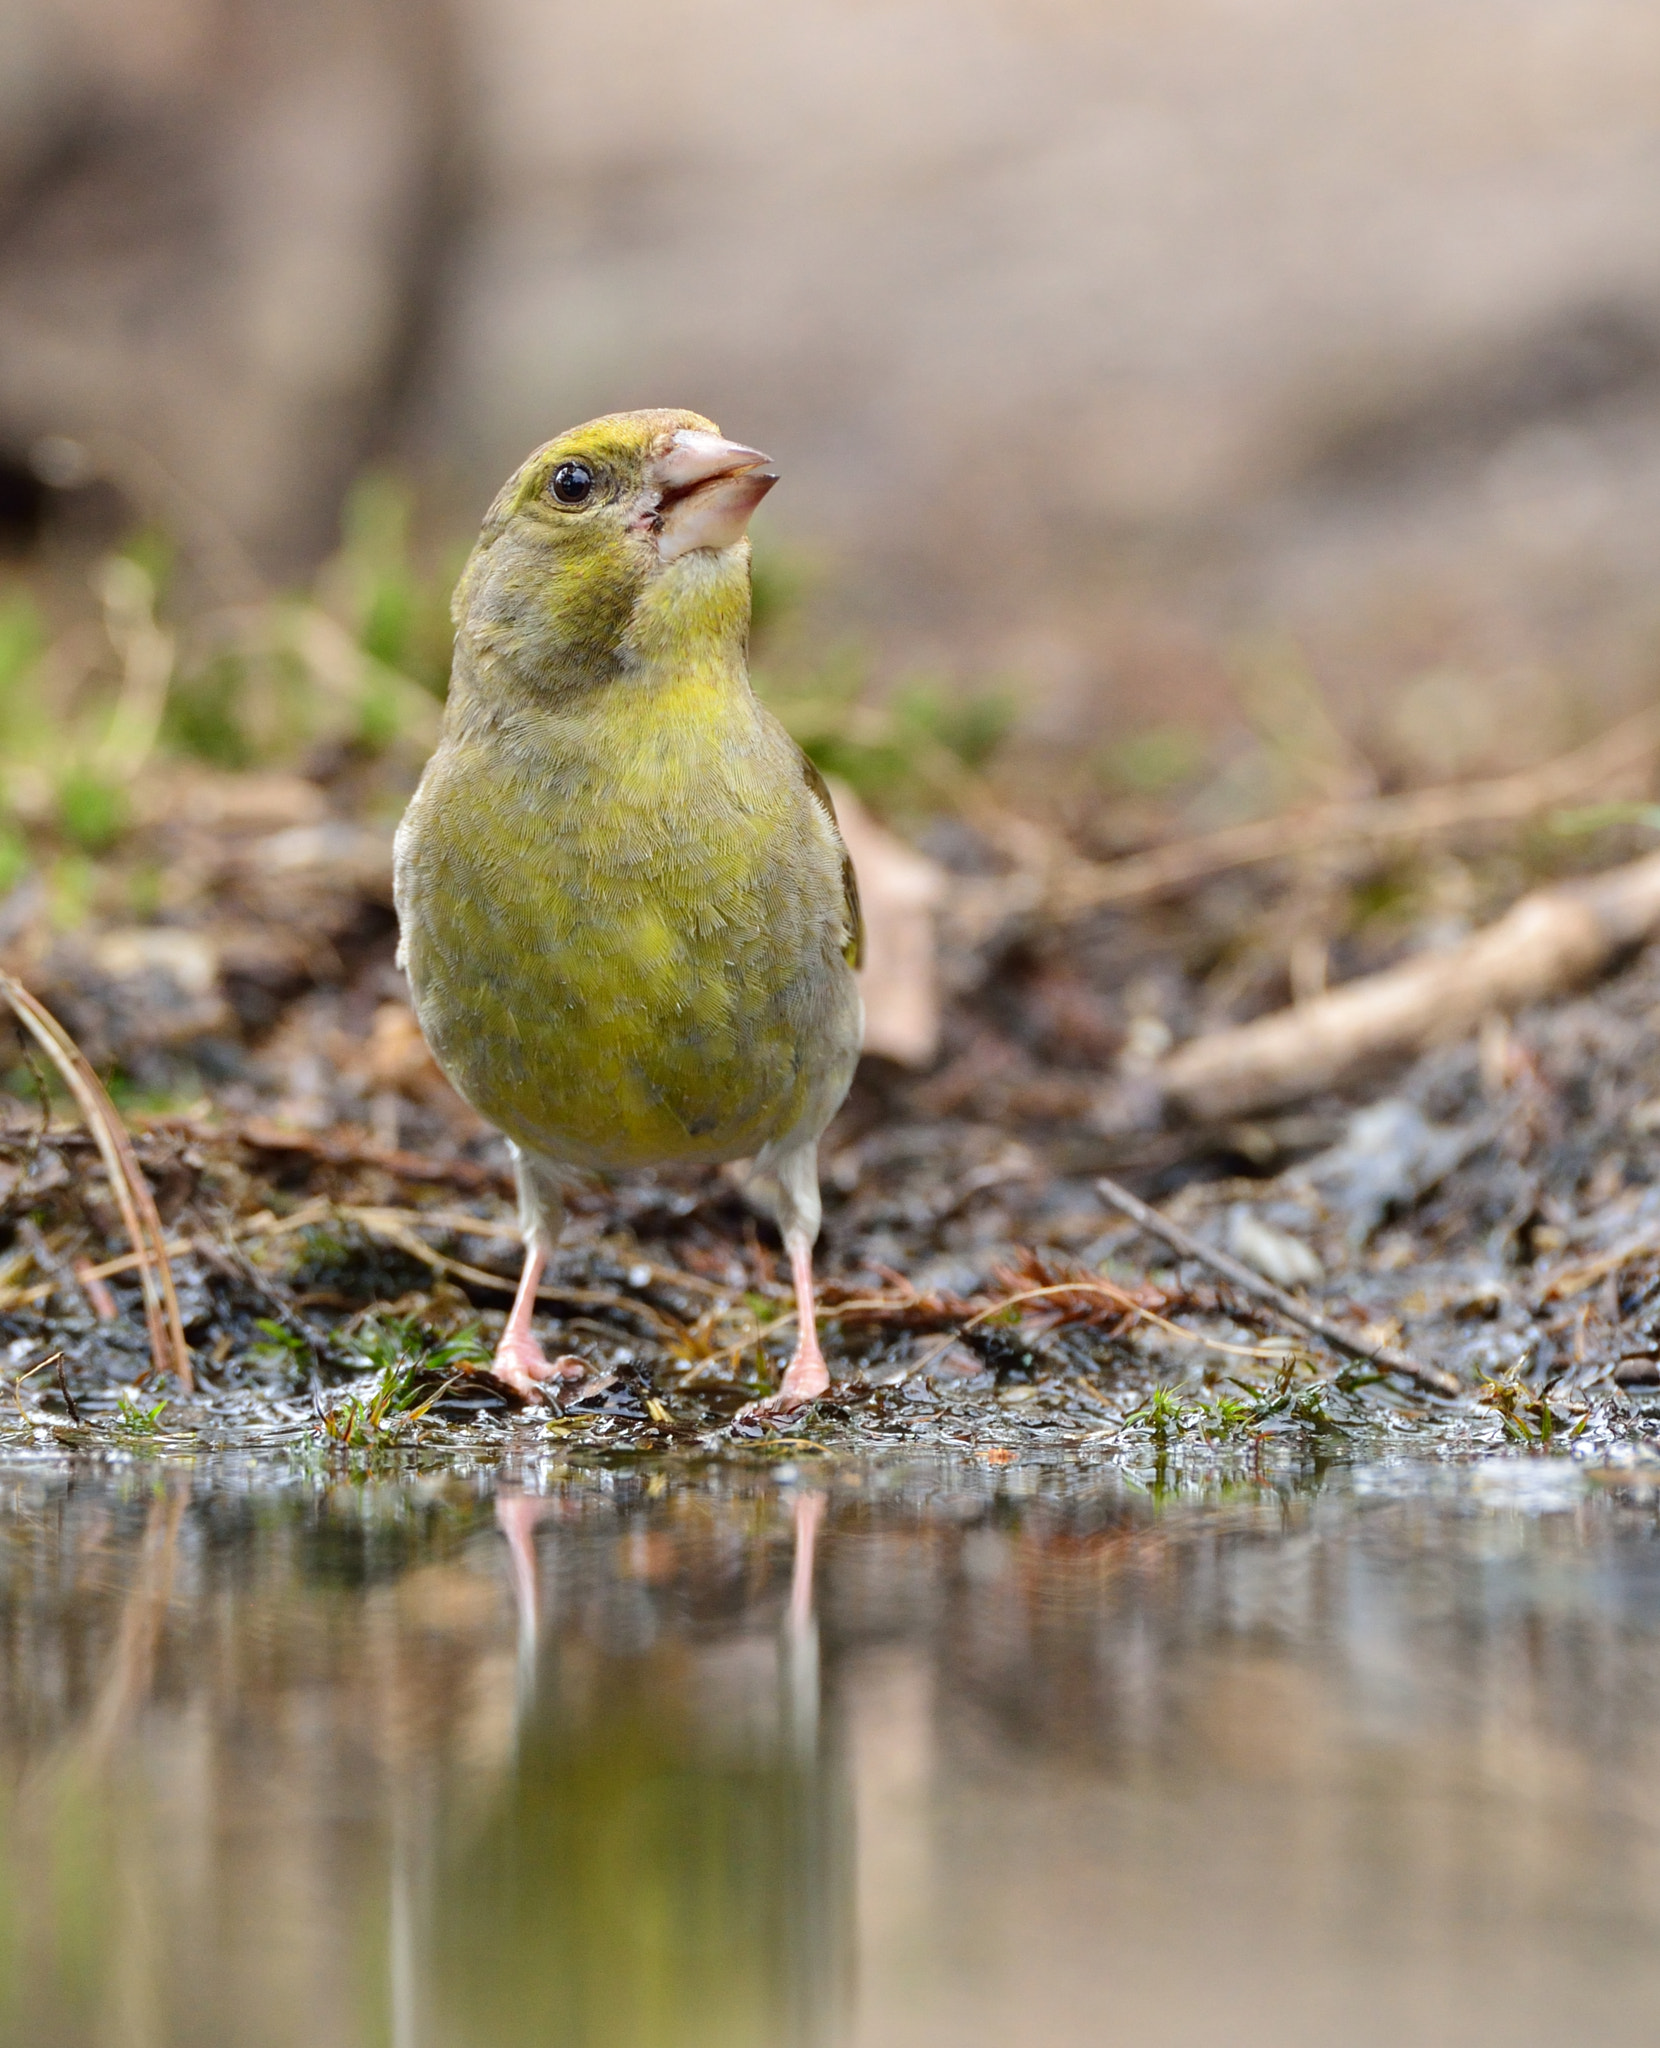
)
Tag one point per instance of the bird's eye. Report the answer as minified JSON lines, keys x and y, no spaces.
{"x":572,"y":483}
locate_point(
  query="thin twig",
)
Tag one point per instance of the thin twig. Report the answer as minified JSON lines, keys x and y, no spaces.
{"x":1571,"y":1280}
{"x":264,"y":1136}
{"x":877,"y":1308}
{"x":1122,"y":1298}
{"x":63,"y":1389}
{"x":1077,"y":885}
{"x":147,"y":656}
{"x":393,"y":1226}
{"x":168,"y":1349}
{"x":1384,"y":1356}
{"x":509,"y":1230}
{"x":230,"y":1262}
{"x":390,"y":1226}
{"x":37,"y":1136}
{"x":92,"y":1286}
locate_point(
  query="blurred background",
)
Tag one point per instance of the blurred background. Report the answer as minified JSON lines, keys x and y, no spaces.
{"x":1099,"y":344}
{"x":1186,"y":414}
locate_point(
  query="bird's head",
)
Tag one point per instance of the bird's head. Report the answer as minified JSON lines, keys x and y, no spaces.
{"x":622,"y":541}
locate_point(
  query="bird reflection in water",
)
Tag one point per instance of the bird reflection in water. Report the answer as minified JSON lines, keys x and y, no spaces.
{"x":267,"y":1774}
{"x":358,"y":1762}
{"x":652,"y":1867}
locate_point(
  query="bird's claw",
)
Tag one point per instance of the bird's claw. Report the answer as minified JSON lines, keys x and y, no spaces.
{"x":519,"y":1363}
{"x":806,"y":1381}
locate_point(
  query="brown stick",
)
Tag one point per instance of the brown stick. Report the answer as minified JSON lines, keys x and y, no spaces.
{"x":1384,"y":1356}
{"x":1079,"y":885}
{"x":1549,"y":941}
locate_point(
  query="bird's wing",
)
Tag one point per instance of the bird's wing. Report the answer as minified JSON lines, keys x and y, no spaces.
{"x":855,"y":946}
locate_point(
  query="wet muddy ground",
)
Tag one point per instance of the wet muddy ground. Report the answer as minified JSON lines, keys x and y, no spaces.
{"x":343,"y":1242}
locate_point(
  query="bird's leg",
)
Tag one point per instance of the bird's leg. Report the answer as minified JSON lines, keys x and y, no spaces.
{"x":806,"y":1376}
{"x":794,"y":1199}
{"x":520,"y":1360}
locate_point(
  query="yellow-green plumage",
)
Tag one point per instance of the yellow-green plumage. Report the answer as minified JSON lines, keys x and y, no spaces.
{"x":622,"y":950}
{"x":628,"y":918}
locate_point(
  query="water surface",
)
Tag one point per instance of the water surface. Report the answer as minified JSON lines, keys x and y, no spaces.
{"x":901,"y":1752}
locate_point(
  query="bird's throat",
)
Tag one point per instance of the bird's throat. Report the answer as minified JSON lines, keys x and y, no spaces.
{"x":693,"y":613}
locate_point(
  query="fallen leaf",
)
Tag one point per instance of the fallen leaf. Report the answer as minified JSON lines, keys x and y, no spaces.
{"x":900,"y":891}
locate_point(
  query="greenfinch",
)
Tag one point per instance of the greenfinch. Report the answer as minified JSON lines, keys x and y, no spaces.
{"x":627,"y":916}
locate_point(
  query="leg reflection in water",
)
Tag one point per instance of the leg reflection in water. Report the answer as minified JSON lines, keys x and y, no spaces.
{"x":516,"y":1516}
{"x":665,"y":1861}
{"x":801,"y":1630}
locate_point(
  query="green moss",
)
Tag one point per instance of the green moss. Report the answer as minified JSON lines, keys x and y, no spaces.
{"x":156,"y":553}
{"x":72,"y":883}
{"x":411,"y":1372}
{"x":1153,"y":761}
{"x":145,"y":883}
{"x":904,"y":754}
{"x":133,"y":1418}
{"x":92,"y":810}
{"x":380,"y":717}
{"x":206,"y":715}
{"x":399,"y":616}
{"x":777,"y":584}
{"x":972,"y":723}
{"x":22,"y":642}
{"x":14,"y":857}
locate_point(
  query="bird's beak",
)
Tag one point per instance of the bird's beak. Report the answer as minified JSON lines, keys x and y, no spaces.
{"x":708,"y":488}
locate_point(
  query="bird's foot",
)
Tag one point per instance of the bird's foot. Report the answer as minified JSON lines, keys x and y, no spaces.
{"x":806,"y":1379}
{"x":521,"y":1364}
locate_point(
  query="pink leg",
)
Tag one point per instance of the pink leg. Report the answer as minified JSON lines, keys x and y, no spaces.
{"x":519,"y":1359}
{"x":806,"y":1377}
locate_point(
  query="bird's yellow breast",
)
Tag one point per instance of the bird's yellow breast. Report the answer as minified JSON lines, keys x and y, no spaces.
{"x":623,"y":923}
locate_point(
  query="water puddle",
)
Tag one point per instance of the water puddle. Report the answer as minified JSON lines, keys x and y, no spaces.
{"x":900,"y":1750}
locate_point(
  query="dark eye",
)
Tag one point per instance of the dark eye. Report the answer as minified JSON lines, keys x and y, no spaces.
{"x":572,"y":482}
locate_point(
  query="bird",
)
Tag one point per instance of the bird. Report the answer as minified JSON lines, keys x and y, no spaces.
{"x":627,"y":917}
